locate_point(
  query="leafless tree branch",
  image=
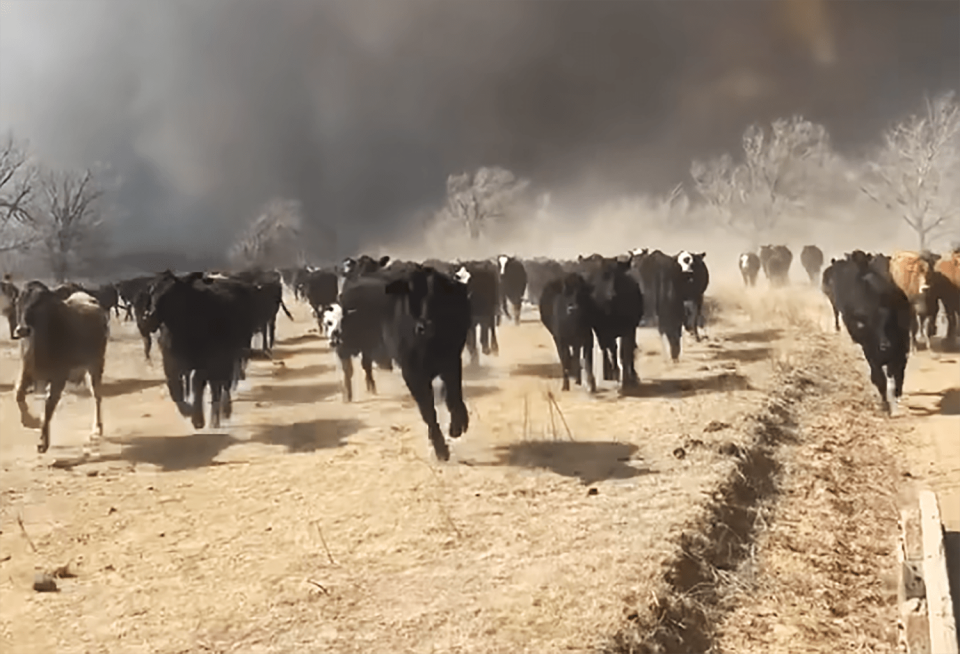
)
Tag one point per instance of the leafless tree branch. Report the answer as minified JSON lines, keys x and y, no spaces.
{"x":480,"y":199}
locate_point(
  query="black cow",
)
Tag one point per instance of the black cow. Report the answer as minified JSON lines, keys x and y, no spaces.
{"x":662,"y":284}
{"x":749,"y":268}
{"x":8,"y":303}
{"x":268,"y":300}
{"x":775,"y":261}
{"x":877,"y":316}
{"x":566,"y":310}
{"x":128,"y":289}
{"x":426,"y":335}
{"x":482,"y":280}
{"x":811,"y":258}
{"x":207,"y":327}
{"x":320,"y":288}
{"x":540,"y":272}
{"x":351,"y":268}
{"x":513,"y":284}
{"x":694,"y":281}
{"x":61,"y":338}
{"x":618,"y":310}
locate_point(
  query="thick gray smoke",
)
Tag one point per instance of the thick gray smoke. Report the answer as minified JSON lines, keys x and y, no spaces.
{"x":361,"y":108}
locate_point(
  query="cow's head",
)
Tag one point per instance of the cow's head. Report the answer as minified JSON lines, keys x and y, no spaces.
{"x":416,"y":289}
{"x":462,"y":275}
{"x":30,"y":306}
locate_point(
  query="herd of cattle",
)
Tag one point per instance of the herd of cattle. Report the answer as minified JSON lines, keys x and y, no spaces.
{"x":421,"y":316}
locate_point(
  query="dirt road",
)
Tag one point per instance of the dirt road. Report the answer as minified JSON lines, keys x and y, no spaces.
{"x":308,"y":523}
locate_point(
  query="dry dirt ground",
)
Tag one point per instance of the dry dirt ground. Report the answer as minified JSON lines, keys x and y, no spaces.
{"x":307,"y":524}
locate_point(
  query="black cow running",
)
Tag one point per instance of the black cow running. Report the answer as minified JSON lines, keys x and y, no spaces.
{"x":352,"y":268}
{"x":694,"y":281}
{"x":662,"y":284}
{"x":513,"y":284}
{"x":268,"y":300}
{"x":482,"y":280}
{"x":811,"y":258}
{"x":320,"y":288}
{"x":540,"y":272}
{"x":128,"y":289}
{"x":877,"y":316}
{"x":8,"y":303}
{"x":749,"y":265}
{"x":618,"y":310}
{"x":775,"y":261}
{"x":566,"y":310}
{"x":61,"y":339}
{"x":207,"y":324}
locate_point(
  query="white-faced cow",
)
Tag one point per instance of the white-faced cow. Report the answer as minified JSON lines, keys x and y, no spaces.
{"x":482,"y":280}
{"x":694,"y":281}
{"x":61,"y":339}
{"x":749,"y":264}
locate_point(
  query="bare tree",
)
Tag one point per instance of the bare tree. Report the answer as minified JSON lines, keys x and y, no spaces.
{"x":776,"y":172}
{"x":480,"y":199}
{"x":66,"y":217}
{"x":17,"y":186}
{"x":274,"y":238}
{"x":917,"y":171}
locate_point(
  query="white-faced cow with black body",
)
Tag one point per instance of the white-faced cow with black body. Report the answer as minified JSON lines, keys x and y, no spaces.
{"x":749,"y":265}
{"x":693,"y":285}
{"x":61,"y":339}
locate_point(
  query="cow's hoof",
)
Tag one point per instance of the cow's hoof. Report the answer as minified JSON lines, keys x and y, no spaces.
{"x":459,"y":423}
{"x":42,"y":447}
{"x":440,"y":447}
{"x":197,"y":422}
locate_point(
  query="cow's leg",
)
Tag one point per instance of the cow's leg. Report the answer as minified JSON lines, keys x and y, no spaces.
{"x":588,"y":361}
{"x":94,"y":382}
{"x":472,"y":344}
{"x":614,"y":364}
{"x":485,"y":335}
{"x":517,"y":306}
{"x":452,"y":378}
{"x":879,"y":380}
{"x":216,"y":399}
{"x":346,"y":363}
{"x":53,"y":397}
{"x":173,"y":373}
{"x":564,"y":351}
{"x":199,"y":385}
{"x":494,"y":346}
{"x":367,"y":364}
{"x":147,"y":343}
{"x":836,"y":316}
{"x":576,"y":368}
{"x":503,"y":307}
{"x":628,"y":347}
{"x":26,"y":381}
{"x":697,"y":318}
{"x":422,"y":391}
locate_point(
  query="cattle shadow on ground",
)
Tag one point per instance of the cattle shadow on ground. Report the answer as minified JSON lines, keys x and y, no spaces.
{"x":719,"y":383}
{"x":950,"y":402}
{"x":308,"y":349}
{"x":744,"y":355}
{"x":590,"y":461}
{"x":174,"y":453}
{"x":117,"y":387}
{"x":480,"y":390}
{"x":296,"y":340}
{"x":944,"y":346}
{"x":312,"y":370}
{"x":290,"y":393}
{"x":476,"y":372}
{"x":5,"y":387}
{"x":550,"y":370}
{"x":309,"y":436}
{"x":760,"y":336}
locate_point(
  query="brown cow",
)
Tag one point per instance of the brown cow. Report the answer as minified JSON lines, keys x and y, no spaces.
{"x":948,"y":269}
{"x":62,"y":338}
{"x":911,"y":272}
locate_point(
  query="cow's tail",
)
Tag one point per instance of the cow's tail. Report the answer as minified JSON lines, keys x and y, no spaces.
{"x":284,"y":307}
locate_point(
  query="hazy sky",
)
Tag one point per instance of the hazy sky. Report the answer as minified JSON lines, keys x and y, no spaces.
{"x":360,"y":108}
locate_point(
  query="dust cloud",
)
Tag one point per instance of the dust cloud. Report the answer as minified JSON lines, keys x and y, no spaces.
{"x":361,"y":108}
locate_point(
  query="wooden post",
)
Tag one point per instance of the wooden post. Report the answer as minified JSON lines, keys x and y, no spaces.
{"x":943,"y":626}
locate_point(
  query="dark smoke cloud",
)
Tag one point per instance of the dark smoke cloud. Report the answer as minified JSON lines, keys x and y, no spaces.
{"x":360,"y":108}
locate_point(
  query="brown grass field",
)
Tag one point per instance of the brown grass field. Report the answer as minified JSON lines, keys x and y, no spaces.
{"x":741,"y":501}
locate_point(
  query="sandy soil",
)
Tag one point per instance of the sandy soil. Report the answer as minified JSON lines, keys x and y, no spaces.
{"x":309,"y":524}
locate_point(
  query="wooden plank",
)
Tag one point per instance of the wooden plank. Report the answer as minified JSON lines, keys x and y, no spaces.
{"x":943,"y":626}
{"x":913,"y":628}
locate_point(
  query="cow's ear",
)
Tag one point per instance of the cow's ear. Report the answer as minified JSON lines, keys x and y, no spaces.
{"x":384,"y":260}
{"x":702,"y":255}
{"x":397,"y":287}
